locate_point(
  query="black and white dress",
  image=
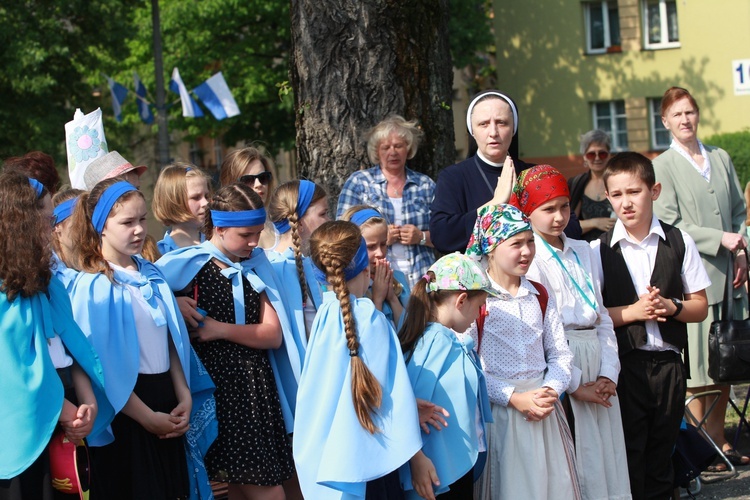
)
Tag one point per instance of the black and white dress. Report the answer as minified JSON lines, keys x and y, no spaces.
{"x":252,"y":446}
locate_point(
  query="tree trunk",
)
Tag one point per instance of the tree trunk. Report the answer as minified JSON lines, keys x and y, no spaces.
{"x":353,"y":63}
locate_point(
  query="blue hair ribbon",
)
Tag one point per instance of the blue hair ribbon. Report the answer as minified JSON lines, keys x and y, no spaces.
{"x":64,"y":210}
{"x":107,"y":200}
{"x":361,"y":216}
{"x":242,"y":218}
{"x":38,"y":186}
{"x":304,"y":198}
{"x":358,"y":264}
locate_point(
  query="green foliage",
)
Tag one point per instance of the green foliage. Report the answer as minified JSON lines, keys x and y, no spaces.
{"x":48,"y":50}
{"x":470,"y":31}
{"x":247,"y":41}
{"x":55,"y":53}
{"x":737,"y":144}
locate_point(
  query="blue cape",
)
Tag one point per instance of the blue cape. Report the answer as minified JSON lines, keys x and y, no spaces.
{"x":182,"y":265}
{"x":62,"y":272}
{"x":335,"y":456}
{"x":32,"y":391}
{"x":446,"y":372}
{"x":105,"y":314}
{"x":285,"y":268}
{"x":167,"y":244}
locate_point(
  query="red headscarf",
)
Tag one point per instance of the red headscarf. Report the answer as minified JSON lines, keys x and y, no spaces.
{"x":536,"y":186}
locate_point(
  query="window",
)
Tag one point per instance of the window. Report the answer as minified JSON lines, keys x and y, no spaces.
{"x":660,"y":137}
{"x":660,"y":24}
{"x":602,"y":27}
{"x":610,"y":117}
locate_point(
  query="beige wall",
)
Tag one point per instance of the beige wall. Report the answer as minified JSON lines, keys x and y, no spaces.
{"x":542,"y":64}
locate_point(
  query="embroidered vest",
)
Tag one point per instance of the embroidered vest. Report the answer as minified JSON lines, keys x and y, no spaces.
{"x":618,"y":289}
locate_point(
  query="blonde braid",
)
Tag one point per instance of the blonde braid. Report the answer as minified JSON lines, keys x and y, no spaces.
{"x":332,"y":246}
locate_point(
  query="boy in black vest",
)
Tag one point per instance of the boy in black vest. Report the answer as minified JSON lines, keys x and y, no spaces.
{"x":653,"y":283}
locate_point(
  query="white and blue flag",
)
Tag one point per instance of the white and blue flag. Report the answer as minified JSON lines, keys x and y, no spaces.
{"x":144,"y":108}
{"x":216,"y":96}
{"x":190,"y":108}
{"x":119,"y":93}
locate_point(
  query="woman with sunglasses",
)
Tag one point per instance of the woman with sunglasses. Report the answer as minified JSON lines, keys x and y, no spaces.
{"x":587,"y":192}
{"x":253,"y":168}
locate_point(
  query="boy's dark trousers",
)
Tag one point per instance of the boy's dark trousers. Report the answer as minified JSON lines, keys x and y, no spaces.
{"x":652,"y":391}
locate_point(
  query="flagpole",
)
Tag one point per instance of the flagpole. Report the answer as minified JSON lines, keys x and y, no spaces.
{"x":161,"y":109}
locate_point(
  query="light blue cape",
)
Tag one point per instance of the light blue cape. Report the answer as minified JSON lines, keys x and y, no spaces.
{"x":167,"y":244}
{"x":105,"y":313}
{"x":62,"y":272}
{"x":335,"y":456}
{"x":446,"y":372}
{"x":97,"y":302}
{"x":182,"y":265}
{"x":31,"y":388}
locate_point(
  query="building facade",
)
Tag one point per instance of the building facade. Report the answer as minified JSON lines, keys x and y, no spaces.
{"x":577,"y":65}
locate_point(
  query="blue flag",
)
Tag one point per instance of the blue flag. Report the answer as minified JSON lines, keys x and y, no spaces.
{"x":144,"y":107}
{"x":216,"y":96}
{"x":119,"y":93}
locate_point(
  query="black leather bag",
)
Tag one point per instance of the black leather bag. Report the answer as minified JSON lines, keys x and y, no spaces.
{"x":729,"y":342}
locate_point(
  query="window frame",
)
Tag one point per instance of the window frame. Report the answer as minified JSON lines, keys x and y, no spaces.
{"x":655,"y":124}
{"x":604,"y":5}
{"x":613,"y":130}
{"x":664,"y":21}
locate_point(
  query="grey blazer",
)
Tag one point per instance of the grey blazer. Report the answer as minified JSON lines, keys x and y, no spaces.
{"x":704,"y":210}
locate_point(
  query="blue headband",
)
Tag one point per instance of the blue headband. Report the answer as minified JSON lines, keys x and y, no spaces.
{"x":362,"y":216}
{"x":107,"y":200}
{"x":64,"y":210}
{"x":38,"y":186}
{"x":242,"y":218}
{"x":306,"y":191}
{"x":358,"y":264}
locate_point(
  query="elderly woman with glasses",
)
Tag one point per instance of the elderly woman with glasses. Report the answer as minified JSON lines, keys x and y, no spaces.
{"x":587,"y":193}
{"x":253,"y":168}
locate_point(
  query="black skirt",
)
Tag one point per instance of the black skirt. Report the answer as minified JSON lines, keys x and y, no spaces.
{"x":138,"y":464}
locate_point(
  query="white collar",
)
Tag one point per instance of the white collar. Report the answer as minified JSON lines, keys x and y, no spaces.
{"x":620,"y":233}
{"x":488,"y":162}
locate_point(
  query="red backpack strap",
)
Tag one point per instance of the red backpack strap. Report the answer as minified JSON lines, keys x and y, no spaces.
{"x":543,"y":297}
{"x":480,"y":324}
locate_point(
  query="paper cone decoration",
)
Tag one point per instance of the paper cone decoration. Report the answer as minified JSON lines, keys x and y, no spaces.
{"x":84,"y":140}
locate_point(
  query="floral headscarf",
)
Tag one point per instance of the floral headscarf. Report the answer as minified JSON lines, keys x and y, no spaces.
{"x":496,"y":224}
{"x":536,"y":186}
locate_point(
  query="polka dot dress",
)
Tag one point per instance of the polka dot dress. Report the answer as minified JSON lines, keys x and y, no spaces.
{"x":252,"y":446}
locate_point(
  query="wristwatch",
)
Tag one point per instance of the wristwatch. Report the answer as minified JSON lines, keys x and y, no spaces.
{"x":423,"y":241}
{"x":678,"y":304}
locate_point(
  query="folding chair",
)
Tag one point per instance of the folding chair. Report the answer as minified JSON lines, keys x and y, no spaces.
{"x":731,"y":471}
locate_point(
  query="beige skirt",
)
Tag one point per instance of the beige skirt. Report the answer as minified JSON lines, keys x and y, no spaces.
{"x":528,"y":459}
{"x":601,"y":460}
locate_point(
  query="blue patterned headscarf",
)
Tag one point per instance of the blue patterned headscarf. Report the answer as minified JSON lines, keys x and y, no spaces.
{"x":495,"y":224}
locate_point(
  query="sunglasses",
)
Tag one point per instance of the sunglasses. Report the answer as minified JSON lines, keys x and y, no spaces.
{"x":593,"y":155}
{"x":263,"y":177}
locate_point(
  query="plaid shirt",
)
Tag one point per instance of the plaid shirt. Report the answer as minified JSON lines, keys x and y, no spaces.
{"x":368,"y":187}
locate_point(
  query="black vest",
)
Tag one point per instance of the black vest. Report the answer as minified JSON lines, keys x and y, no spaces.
{"x":618,"y":288}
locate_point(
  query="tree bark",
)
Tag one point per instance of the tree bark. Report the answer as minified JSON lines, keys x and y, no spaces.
{"x":353,"y":63}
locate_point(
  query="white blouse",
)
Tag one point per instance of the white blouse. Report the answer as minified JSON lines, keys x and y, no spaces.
{"x":577,"y":313}
{"x":517,"y":344}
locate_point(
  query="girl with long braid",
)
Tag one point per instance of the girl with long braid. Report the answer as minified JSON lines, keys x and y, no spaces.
{"x":356,"y":421}
{"x":297,"y":209}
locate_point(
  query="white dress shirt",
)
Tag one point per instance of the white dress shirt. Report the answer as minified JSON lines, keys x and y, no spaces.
{"x":640,"y":258}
